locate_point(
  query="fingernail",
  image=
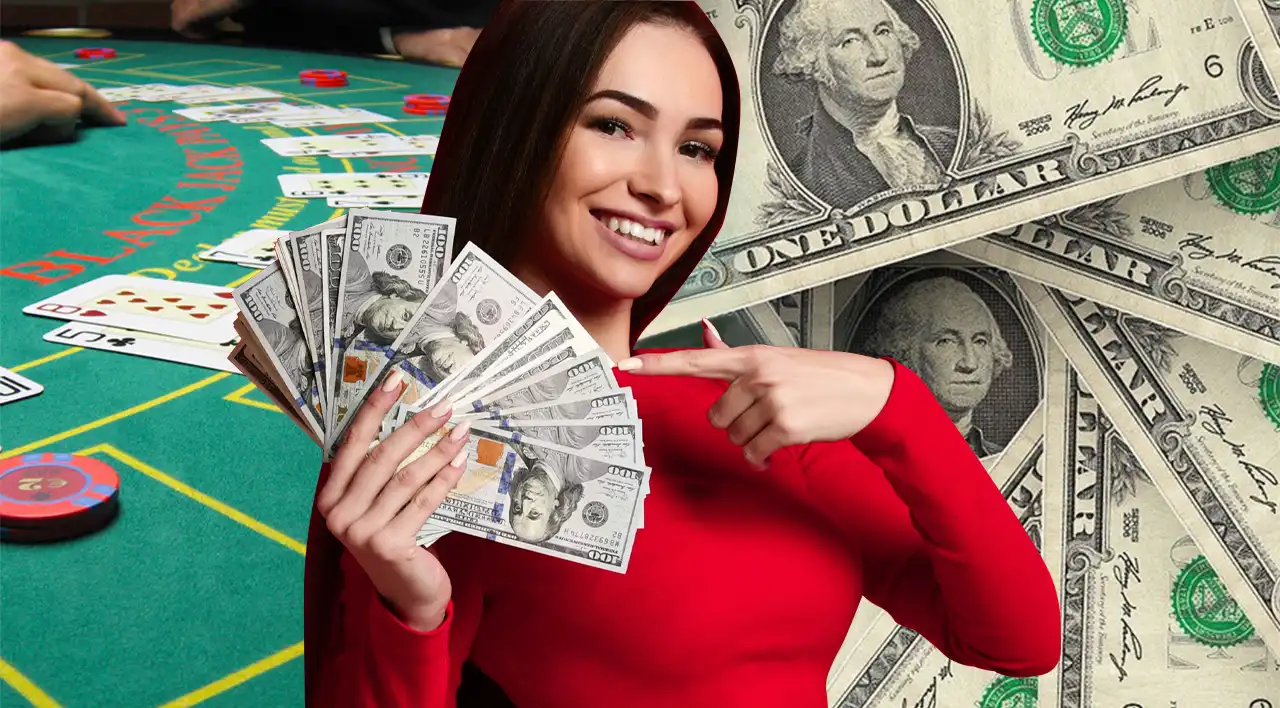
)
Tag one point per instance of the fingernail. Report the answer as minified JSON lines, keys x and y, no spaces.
{"x":629,"y":364}
{"x":459,"y":458}
{"x":707,"y":323}
{"x":442,"y":409}
{"x":460,"y":431}
{"x":393,"y":381}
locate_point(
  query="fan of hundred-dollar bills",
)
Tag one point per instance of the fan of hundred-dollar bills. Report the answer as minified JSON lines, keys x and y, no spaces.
{"x":348,"y":301}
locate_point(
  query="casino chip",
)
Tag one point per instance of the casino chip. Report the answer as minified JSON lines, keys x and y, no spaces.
{"x":426,"y":104}
{"x":49,"y":496}
{"x":94,"y":53}
{"x":323,"y":78}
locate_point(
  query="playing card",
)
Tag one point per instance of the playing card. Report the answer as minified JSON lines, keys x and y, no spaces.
{"x":170,"y":307}
{"x":228,"y":93}
{"x":254,"y":248}
{"x":141,"y":92}
{"x":336,"y":116}
{"x":145,"y":344}
{"x":15,"y":387}
{"x":409,"y":201}
{"x":238,"y":112}
{"x":402,"y":145}
{"x":353,"y":184}
{"x":326,"y":144}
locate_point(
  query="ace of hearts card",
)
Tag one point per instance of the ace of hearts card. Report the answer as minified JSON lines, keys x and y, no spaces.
{"x":203,"y":313}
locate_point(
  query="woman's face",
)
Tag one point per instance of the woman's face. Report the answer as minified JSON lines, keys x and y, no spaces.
{"x":637,"y":182}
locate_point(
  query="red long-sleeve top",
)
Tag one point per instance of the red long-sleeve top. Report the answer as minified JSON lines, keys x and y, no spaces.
{"x":741,"y":584}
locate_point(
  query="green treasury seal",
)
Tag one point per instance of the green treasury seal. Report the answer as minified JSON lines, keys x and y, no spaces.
{"x":1269,"y":392}
{"x":1250,"y":185}
{"x":1079,"y":32}
{"x":1204,"y":609}
{"x":1006,"y":692}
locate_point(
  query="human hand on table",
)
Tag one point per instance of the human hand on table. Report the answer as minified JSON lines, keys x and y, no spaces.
{"x":779,"y":396}
{"x":376,"y":507}
{"x":185,"y":16}
{"x":447,"y":47}
{"x":43,"y":101}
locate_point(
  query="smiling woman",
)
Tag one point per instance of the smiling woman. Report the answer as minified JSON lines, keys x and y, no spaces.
{"x":589,"y":149}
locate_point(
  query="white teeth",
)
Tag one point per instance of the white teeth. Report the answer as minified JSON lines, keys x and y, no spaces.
{"x":627,"y":227}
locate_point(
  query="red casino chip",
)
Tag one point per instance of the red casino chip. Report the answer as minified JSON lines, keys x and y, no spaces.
{"x":323,"y":78}
{"x":96,"y":53}
{"x":47,"y":496}
{"x":427,"y":104}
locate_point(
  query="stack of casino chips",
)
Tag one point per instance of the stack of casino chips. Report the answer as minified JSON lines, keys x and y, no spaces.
{"x":426,"y":104}
{"x":323,"y":78}
{"x":51,"y":496}
{"x":94,"y":53}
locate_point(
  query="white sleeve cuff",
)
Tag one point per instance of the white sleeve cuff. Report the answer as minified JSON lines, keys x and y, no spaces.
{"x":387,"y":43}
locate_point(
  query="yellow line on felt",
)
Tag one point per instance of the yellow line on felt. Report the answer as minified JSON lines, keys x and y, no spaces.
{"x":238,"y":396}
{"x":236,"y":678}
{"x":115,"y":416}
{"x":196,"y":495}
{"x":45,"y":359}
{"x":25,"y":687}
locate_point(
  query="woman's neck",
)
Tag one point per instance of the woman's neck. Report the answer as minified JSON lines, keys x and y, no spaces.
{"x":608,"y":321}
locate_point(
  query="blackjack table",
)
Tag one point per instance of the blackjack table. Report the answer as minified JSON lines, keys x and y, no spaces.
{"x":192,"y":595}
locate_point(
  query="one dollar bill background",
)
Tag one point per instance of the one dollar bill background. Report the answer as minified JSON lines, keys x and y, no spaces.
{"x":1202,"y":421}
{"x":1146,"y":621}
{"x":1200,"y":253}
{"x":1004,"y":131}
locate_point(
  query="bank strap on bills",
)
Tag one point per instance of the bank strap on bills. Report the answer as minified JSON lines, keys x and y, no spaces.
{"x":555,"y":459}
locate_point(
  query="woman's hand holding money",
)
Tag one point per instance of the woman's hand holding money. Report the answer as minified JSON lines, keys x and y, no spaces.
{"x":375,"y":504}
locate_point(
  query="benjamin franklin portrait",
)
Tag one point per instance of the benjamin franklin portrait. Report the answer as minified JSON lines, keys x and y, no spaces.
{"x":860,"y":96}
{"x":547,"y":489}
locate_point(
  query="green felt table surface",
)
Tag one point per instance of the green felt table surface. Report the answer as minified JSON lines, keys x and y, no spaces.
{"x":194,"y":594}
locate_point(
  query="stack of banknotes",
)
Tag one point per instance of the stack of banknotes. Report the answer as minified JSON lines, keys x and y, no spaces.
{"x":349,"y":301}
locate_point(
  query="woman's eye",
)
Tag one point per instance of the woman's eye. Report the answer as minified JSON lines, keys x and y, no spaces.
{"x":700,"y":151}
{"x":612,"y":127}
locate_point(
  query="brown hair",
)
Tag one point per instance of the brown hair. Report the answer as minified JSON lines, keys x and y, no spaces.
{"x":519,"y":92}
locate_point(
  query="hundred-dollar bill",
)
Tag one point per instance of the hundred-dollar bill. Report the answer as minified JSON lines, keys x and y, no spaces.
{"x":308,"y":253}
{"x":535,"y":334}
{"x":333,"y":241}
{"x":615,"y":405}
{"x":1203,"y":421}
{"x":1145,"y":619}
{"x":1188,"y":254}
{"x":861,"y":146}
{"x":546,"y":498}
{"x":390,"y":262}
{"x":474,"y":302}
{"x":589,"y":374}
{"x":885,"y":665}
{"x":270,"y":315}
{"x":608,"y":440}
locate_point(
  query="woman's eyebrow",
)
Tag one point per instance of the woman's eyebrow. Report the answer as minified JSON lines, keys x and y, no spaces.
{"x":648,"y":110}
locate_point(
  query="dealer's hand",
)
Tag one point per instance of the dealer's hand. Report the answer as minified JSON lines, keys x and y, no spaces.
{"x":188,"y":17}
{"x":41,"y":99}
{"x":780,"y":396}
{"x":447,"y":47}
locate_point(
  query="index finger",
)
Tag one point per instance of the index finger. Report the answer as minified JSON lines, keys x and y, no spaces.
{"x":725,"y":364}
{"x":48,"y":76}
